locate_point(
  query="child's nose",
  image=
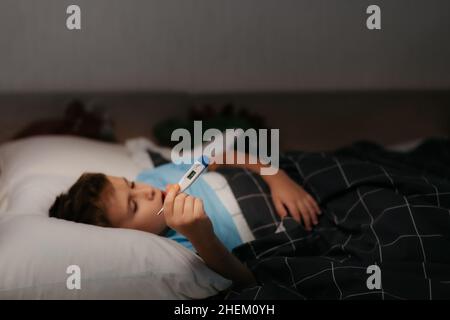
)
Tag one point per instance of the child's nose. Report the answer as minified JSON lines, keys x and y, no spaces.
{"x":146,"y":193}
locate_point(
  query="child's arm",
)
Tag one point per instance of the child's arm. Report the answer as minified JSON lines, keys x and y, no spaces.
{"x":287,"y":195}
{"x":186,"y":215}
{"x":222,"y":160}
{"x":218,"y":258}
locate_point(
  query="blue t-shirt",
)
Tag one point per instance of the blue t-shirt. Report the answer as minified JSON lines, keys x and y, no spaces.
{"x":223,"y":224}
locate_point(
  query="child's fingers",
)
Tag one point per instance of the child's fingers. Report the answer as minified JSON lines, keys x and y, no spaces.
{"x":281,"y":210}
{"x":305,"y":215}
{"x":198,"y":208}
{"x":314,"y":204}
{"x":311,"y":211}
{"x":175,"y":186}
{"x":178,"y":205}
{"x":169,"y":200}
{"x":189,"y":206}
{"x":294,"y":211}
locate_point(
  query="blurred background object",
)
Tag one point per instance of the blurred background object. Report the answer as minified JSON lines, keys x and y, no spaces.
{"x":78,"y":120}
{"x":222,"y":118}
{"x":307,"y":121}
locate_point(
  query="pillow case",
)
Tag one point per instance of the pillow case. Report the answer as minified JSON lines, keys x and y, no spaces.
{"x":63,"y":156}
{"x":34,"y":194}
{"x":36,"y":251}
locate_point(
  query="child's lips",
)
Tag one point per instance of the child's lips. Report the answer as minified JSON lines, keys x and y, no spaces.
{"x":163,"y":195}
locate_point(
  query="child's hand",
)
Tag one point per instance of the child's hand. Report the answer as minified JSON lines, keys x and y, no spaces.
{"x":286,"y":193}
{"x":186,"y":215}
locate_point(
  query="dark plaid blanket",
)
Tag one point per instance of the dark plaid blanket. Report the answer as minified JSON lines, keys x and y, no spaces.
{"x":379,"y":208}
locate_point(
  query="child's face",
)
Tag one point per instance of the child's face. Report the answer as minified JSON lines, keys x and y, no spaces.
{"x":134,"y":206}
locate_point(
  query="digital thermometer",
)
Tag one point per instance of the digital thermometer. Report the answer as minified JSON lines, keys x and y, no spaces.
{"x":191,"y":175}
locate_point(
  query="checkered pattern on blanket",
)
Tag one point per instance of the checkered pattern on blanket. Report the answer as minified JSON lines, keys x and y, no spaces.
{"x":394,"y":214}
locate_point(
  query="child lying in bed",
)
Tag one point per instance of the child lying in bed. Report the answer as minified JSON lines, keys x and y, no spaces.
{"x":197,"y":220}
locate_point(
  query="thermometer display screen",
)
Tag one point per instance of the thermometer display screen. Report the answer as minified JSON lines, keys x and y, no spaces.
{"x":191,"y":174}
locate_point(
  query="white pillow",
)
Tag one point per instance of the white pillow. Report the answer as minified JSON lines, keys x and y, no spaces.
{"x":61,"y":155}
{"x":34,"y":194}
{"x":406,"y":146}
{"x":139,"y":147}
{"x":36,"y":251}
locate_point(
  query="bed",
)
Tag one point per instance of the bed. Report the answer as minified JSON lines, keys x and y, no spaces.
{"x":388,"y":208}
{"x":378,"y":209}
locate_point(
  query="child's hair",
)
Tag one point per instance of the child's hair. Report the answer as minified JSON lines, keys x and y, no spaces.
{"x":83,"y":203}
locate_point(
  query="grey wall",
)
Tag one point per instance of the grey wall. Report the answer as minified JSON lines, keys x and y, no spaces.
{"x":223,"y":45}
